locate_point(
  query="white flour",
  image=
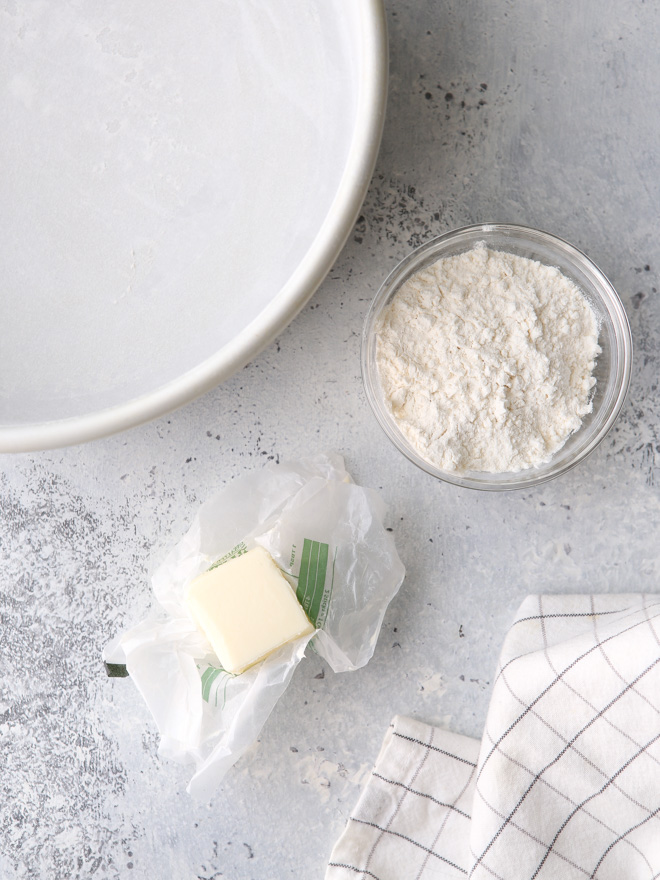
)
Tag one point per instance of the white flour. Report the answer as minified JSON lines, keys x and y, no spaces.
{"x":486,"y":361}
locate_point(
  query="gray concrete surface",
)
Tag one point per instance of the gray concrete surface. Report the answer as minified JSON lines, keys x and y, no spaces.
{"x":543,"y":113}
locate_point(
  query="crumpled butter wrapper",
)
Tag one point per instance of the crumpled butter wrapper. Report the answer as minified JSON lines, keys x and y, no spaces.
{"x":327,"y":536}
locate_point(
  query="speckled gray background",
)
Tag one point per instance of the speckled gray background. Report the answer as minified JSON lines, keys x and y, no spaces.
{"x":544,"y":113}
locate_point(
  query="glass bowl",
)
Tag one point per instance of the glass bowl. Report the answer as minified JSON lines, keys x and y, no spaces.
{"x":612,"y":371}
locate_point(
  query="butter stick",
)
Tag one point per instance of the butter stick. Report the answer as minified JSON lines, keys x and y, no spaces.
{"x":246,"y":608}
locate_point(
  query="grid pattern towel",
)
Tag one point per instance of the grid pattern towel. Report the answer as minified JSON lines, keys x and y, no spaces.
{"x":566,"y":780}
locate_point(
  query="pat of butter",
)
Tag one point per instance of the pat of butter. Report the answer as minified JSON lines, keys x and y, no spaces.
{"x":246,"y":608}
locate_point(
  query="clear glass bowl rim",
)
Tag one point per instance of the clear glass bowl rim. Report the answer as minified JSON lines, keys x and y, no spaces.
{"x":451,"y":242}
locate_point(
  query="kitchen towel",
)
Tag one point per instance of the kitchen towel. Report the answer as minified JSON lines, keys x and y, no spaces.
{"x":566,"y":780}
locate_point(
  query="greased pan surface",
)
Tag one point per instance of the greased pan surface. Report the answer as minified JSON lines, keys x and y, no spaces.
{"x":175,"y":183}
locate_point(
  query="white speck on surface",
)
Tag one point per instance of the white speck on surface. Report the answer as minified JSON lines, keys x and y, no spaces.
{"x":432,"y":684}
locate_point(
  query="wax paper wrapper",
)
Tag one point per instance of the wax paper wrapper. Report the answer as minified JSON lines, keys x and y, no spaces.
{"x":327,"y":536}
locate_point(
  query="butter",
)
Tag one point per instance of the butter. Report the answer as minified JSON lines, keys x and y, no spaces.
{"x":246,"y":608}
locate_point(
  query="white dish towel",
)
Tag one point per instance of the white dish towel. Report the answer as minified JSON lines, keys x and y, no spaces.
{"x":566,"y":780}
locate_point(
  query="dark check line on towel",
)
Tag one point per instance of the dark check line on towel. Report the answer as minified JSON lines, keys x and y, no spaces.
{"x":420,"y":793}
{"x":410,"y":840}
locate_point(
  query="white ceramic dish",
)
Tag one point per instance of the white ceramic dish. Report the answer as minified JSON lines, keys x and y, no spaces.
{"x":175,"y":183}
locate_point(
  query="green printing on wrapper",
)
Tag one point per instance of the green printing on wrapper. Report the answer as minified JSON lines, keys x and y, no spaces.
{"x":312,"y":592}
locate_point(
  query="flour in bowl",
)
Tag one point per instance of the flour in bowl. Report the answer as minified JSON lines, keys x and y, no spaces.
{"x":486,"y":361}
